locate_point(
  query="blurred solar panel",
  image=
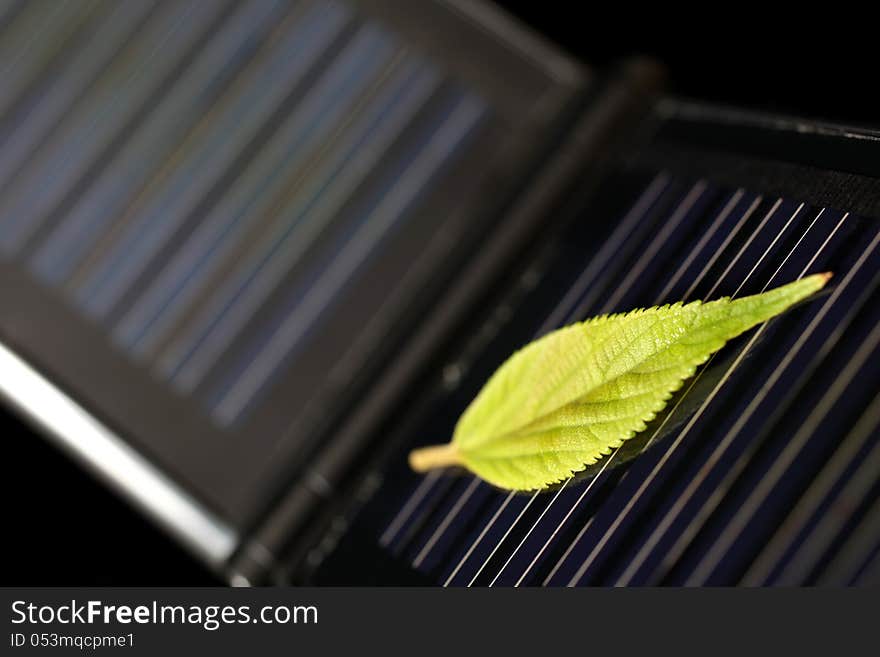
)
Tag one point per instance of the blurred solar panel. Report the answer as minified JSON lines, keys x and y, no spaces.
{"x":209,"y":211}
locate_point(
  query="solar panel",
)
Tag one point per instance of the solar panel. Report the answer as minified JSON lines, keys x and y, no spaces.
{"x":210,"y":210}
{"x":761,"y":471}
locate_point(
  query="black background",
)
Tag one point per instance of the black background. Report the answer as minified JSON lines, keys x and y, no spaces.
{"x":64,"y":528}
{"x":805,"y":59}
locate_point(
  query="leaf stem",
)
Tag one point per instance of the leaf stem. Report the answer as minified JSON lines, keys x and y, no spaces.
{"x":434,"y":456}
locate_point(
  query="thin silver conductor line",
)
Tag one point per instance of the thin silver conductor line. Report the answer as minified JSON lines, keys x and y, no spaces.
{"x":507,"y":500}
{"x":785,"y":459}
{"x":597,"y":549}
{"x":705,"y":270}
{"x":687,"y":535}
{"x":561,"y":524}
{"x":586,"y":279}
{"x":668,"y":229}
{"x":770,"y":248}
{"x":503,"y":538}
{"x":748,"y":243}
{"x":727,"y":240}
{"x":407,"y":509}
{"x":678,"y":214}
{"x":815,"y":543}
{"x":867,"y":479}
{"x":698,"y":248}
{"x":528,"y":533}
{"x":445,"y":523}
{"x":853,"y":550}
{"x":803,"y":237}
{"x":609,"y":249}
{"x":655,"y":536}
{"x":701,"y":244}
{"x":720,"y":546}
{"x":820,"y":536}
{"x":483,"y":533}
{"x":820,"y":489}
{"x":572,"y":545}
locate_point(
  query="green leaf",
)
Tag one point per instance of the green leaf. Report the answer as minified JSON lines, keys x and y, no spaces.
{"x":572,"y":396}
